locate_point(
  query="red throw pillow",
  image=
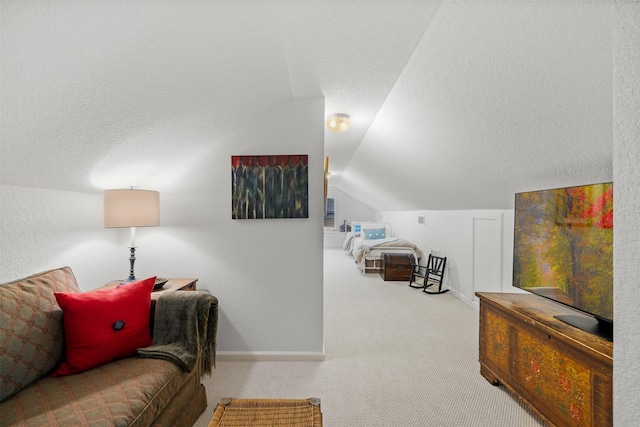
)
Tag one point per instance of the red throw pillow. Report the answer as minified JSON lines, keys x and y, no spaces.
{"x":104,"y":324}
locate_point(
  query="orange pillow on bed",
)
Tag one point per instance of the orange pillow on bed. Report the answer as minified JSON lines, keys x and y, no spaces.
{"x":104,"y":324}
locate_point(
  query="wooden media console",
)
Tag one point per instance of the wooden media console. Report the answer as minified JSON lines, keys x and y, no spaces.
{"x":563,"y":373}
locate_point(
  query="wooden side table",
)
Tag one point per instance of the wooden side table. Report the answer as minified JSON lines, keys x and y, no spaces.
{"x":172,"y":285}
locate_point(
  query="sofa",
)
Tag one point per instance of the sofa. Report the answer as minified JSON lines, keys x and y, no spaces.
{"x":134,"y":390}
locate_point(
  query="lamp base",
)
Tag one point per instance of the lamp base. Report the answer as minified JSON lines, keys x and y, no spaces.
{"x":132,"y":260}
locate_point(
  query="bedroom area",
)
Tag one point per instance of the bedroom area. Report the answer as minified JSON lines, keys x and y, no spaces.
{"x":478,"y":244}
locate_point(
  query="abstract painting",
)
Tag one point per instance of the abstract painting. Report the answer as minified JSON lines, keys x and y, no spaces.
{"x":270,"y":186}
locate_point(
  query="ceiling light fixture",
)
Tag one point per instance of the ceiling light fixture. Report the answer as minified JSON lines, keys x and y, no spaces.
{"x":338,"y":122}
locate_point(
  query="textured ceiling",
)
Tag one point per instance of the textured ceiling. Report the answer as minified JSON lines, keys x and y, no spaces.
{"x":454,"y":104}
{"x":498,"y":98}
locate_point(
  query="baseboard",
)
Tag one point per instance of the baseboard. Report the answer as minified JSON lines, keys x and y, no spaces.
{"x":270,"y":356}
{"x":464,"y":299}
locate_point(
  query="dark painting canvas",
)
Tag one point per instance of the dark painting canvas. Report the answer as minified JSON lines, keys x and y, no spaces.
{"x":270,"y":186}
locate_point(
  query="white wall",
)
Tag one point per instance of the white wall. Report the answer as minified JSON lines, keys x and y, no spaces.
{"x":452,"y":233}
{"x":267,"y":274}
{"x":349,"y":208}
{"x":626,"y":179}
{"x":45,"y":229}
{"x":346,"y":208}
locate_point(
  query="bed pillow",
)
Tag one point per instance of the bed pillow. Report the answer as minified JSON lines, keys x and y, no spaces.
{"x":374,"y":233}
{"x":104,"y":324}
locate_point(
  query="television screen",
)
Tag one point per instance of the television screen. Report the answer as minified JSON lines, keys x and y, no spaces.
{"x":563,"y":247}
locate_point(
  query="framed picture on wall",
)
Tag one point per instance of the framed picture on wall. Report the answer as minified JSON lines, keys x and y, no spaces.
{"x":270,"y":186}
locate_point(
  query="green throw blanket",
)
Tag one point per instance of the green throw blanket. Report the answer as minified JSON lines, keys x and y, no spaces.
{"x":185,"y":326}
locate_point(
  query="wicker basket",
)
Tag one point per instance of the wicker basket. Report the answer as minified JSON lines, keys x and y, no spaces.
{"x":267,"y":413}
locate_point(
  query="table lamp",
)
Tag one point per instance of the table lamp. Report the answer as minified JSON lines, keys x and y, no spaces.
{"x":131,"y":208}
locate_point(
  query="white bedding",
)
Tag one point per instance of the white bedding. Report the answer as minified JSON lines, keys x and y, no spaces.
{"x":371,"y":250}
{"x":354,"y":243}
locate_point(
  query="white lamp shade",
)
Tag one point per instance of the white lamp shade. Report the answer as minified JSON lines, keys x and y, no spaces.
{"x":131,"y":208}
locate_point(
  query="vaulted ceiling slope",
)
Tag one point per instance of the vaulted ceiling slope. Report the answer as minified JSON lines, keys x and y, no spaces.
{"x":499,"y":97}
{"x":90,"y":86}
{"x":455,"y":104}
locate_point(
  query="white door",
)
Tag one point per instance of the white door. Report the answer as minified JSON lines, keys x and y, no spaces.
{"x":487,"y":253}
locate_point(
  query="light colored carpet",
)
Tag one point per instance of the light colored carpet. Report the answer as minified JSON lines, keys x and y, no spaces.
{"x":394,"y":357}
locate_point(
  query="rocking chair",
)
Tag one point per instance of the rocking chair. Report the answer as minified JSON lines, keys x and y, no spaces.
{"x":431,"y":274}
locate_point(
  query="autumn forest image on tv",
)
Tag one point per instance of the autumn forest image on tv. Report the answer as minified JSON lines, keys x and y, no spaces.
{"x":563,"y":246}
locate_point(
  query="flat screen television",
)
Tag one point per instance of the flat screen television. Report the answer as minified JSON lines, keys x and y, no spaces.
{"x":563,"y":251}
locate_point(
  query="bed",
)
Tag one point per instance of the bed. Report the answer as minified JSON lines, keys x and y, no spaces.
{"x":369,"y":240}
